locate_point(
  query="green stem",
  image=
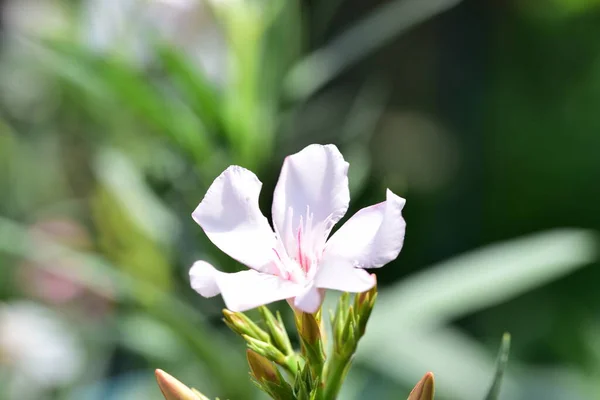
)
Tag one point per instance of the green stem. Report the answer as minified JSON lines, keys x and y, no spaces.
{"x":336,"y":369}
{"x":291,"y":364}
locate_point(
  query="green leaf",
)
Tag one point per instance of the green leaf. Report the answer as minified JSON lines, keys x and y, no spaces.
{"x":416,"y":311}
{"x":375,"y":30}
{"x":126,"y":183}
{"x":483,"y":277}
{"x":192,"y":84}
{"x":494,"y":391}
{"x":113,"y":81}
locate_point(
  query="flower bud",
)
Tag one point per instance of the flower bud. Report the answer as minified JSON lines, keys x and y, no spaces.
{"x":265,"y":349}
{"x":262,"y":369}
{"x":309,"y":328}
{"x":424,"y":389}
{"x":277,"y":330}
{"x":172,"y":389}
{"x":363,"y":306}
{"x":242,"y":325}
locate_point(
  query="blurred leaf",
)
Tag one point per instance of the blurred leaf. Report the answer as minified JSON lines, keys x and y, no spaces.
{"x":360,"y":124}
{"x":128,"y":246}
{"x":373,"y":31}
{"x":462,"y":365}
{"x":413,"y":311}
{"x":8,"y":144}
{"x":264,"y":40}
{"x":112,"y":79}
{"x":98,"y":275}
{"x":141,"y":205}
{"x":365,"y":112}
{"x":484,"y":277}
{"x":494,"y":391}
{"x":324,"y":13}
{"x":192,"y":84}
{"x":246,"y":123}
{"x":150,"y":337}
{"x":128,"y":385}
{"x":282,"y":48}
{"x":29,"y":188}
{"x":556,"y":10}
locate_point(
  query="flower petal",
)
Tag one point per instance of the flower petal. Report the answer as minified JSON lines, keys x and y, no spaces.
{"x":372,"y":237}
{"x":309,"y":300}
{"x":203,"y":279}
{"x":230,"y":217}
{"x":241,"y":291}
{"x":313,"y":180}
{"x":340,"y":275}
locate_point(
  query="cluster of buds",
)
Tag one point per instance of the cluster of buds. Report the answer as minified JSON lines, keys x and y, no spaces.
{"x":309,"y":373}
{"x":272,"y":344}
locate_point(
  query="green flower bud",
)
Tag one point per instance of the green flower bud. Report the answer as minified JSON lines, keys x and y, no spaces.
{"x":266,"y":350}
{"x":242,"y":325}
{"x":277,"y":330}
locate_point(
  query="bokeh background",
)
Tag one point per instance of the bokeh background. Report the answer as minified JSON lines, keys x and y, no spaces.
{"x":116,"y":115}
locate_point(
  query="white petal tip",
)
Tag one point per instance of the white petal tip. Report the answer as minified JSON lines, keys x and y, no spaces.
{"x":203,"y":279}
{"x":393,"y":197}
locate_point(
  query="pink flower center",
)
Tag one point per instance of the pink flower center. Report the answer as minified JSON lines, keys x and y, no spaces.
{"x":298,"y":253}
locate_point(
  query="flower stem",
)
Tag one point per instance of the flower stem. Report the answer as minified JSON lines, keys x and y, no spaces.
{"x":336,"y":368}
{"x":293,"y":363}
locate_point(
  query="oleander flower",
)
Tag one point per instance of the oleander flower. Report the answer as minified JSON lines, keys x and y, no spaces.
{"x":295,"y":260}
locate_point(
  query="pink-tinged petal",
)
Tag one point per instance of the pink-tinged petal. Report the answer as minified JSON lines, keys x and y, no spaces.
{"x":339,"y":275}
{"x":241,"y":291}
{"x":372,"y":237}
{"x":309,"y":300}
{"x":315,"y":180}
{"x":230,"y":217}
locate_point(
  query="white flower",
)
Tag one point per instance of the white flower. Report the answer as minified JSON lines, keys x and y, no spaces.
{"x":295,"y":261}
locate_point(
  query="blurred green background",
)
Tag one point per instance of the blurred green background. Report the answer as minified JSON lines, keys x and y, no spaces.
{"x":116,"y":115}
